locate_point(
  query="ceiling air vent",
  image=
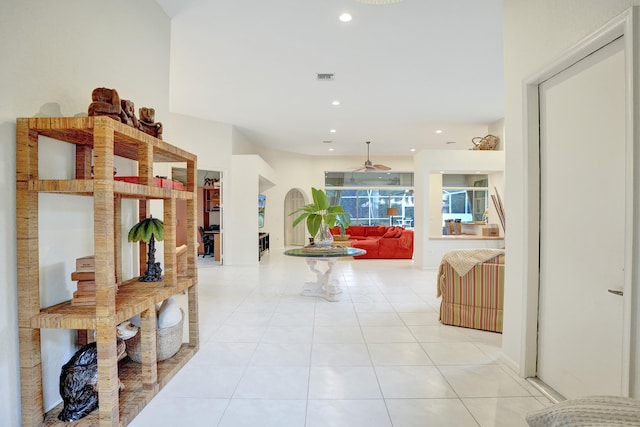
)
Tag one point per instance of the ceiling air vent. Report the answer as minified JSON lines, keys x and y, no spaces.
{"x":326,"y":77}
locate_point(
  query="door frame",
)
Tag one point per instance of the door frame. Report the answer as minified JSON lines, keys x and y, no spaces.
{"x":625,"y":25}
{"x":290,"y":205}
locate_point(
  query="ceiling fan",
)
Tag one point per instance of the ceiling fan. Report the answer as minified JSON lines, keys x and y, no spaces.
{"x":370,"y":167}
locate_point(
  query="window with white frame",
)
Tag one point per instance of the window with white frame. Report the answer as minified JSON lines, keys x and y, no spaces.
{"x":464,"y":197}
{"x":373,"y":198}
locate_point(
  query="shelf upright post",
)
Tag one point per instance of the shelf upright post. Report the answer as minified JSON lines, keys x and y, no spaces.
{"x":147,"y":317}
{"x":83,"y":162}
{"x":170,"y":264}
{"x":145,"y":177}
{"x":28,"y":274}
{"x":192,"y":254}
{"x":148,"y":348}
{"x":103,"y":201}
{"x":117,"y":241}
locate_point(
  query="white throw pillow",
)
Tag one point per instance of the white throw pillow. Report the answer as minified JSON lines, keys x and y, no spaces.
{"x":169,"y":314}
{"x":588,"y":411}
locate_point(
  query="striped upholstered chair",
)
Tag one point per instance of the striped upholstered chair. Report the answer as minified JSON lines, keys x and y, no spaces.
{"x":471,"y":284}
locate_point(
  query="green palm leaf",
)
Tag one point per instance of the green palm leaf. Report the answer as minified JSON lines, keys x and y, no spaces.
{"x":146,"y":228}
{"x":313,"y":224}
{"x":317,"y":212}
{"x":320,"y":199}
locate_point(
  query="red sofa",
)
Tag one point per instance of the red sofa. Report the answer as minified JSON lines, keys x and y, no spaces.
{"x":380,"y":241}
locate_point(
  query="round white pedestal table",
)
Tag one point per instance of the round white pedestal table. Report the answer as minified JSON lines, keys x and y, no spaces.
{"x":325,"y":285}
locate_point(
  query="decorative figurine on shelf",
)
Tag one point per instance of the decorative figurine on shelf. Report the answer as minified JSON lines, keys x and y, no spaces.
{"x":210,"y":182}
{"x":126,"y":330}
{"x":149,"y":230}
{"x":128,"y":113}
{"x":147,"y":123}
{"x":79,"y":382}
{"x":106,"y":102}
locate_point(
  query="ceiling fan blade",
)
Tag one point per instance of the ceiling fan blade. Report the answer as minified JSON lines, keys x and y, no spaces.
{"x":382,"y":167}
{"x":369,"y":166}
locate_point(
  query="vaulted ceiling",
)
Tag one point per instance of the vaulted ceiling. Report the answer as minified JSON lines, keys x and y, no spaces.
{"x":401,"y":71}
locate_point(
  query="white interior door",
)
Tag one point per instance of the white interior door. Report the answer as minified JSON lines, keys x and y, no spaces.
{"x":293,"y":236}
{"x":582,"y":225}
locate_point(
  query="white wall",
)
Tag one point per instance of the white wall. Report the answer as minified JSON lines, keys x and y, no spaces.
{"x":242,"y":144}
{"x":53,"y":55}
{"x":240,"y":237}
{"x":303,"y":172}
{"x":292,"y":171}
{"x":216,"y":145}
{"x":535,"y":34}
{"x":209,"y":140}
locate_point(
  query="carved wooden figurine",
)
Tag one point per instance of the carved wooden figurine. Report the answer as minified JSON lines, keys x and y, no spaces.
{"x":106,"y":102}
{"x":148,"y":124}
{"x":128,"y":113}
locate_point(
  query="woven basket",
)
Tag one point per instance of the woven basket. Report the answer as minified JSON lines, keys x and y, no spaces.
{"x":168,"y":342}
{"x":488,"y":142}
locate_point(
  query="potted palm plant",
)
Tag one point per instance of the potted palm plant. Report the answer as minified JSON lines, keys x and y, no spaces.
{"x":343,"y":220}
{"x":320,"y":216}
{"x":149,"y":230}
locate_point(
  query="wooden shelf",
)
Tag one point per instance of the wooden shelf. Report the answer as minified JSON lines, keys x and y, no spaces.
{"x":125,"y":189}
{"x":97,"y":141}
{"x":134,"y":396}
{"x":127,"y":140}
{"x":263,"y":244}
{"x":211,"y":199}
{"x":132,"y":298}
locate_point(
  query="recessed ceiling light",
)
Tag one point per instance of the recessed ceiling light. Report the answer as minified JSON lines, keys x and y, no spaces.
{"x":439,"y":131}
{"x":413,"y":149}
{"x":330,"y":149}
{"x":332,"y":131}
{"x":325,"y":77}
{"x":379,"y":1}
{"x":345,"y":17}
{"x":336,"y":102}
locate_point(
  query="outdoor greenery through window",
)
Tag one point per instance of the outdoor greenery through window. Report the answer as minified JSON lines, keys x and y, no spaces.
{"x":464,"y":197}
{"x":368,"y":196}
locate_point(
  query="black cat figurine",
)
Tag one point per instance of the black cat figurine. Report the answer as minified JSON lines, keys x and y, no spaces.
{"x":79,"y":382}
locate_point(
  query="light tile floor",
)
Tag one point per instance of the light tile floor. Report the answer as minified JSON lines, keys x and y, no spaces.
{"x":377,"y":357}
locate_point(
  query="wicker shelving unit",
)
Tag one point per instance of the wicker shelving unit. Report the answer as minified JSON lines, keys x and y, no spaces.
{"x":97,"y":140}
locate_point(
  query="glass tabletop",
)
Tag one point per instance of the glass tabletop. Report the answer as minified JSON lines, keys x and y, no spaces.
{"x":312,"y":252}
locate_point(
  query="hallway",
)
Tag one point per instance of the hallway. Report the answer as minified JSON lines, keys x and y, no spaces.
{"x":379,"y":357}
